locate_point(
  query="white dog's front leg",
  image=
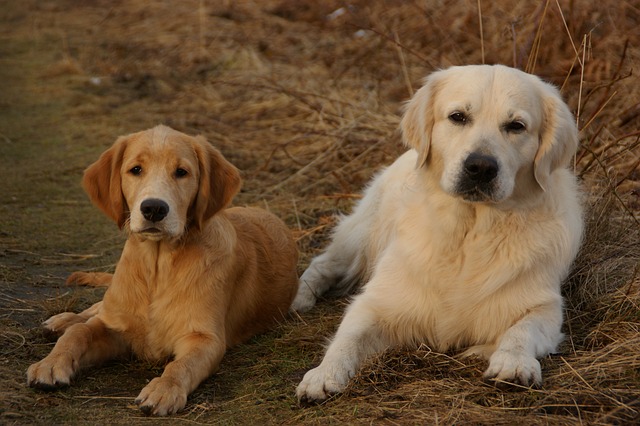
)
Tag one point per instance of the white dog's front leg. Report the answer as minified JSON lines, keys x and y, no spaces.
{"x":533,"y":336}
{"x":357,"y":338}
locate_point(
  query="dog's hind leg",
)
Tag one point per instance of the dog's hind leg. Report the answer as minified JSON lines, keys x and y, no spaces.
{"x":58,"y":324}
{"x":342,"y":264}
{"x":346,"y":260}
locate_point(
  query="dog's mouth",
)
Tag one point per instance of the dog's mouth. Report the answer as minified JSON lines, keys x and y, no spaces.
{"x":477,"y":196}
{"x":476,"y":193}
{"x":152,"y":233}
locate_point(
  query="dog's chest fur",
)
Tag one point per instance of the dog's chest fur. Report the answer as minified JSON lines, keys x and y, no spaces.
{"x":165,"y":306}
{"x":466,"y":276}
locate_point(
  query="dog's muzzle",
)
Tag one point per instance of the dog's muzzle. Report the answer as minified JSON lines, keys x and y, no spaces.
{"x":478,"y":177}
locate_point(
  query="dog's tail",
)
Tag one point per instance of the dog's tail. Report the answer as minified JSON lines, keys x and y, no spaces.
{"x":91,"y":279}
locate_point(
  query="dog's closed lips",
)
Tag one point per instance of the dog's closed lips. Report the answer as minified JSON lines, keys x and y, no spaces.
{"x":151,"y":231}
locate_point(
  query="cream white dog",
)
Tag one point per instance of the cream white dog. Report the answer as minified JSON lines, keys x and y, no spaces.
{"x":463,"y":242}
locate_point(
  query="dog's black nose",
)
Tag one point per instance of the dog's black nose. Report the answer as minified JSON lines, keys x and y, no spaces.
{"x":154,"y":210}
{"x":481,"y":168}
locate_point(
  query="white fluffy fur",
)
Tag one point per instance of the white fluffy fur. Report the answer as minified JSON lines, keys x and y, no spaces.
{"x":479,"y":273}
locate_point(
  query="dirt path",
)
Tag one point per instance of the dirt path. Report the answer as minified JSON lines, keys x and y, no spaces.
{"x":47,"y":227}
{"x":41,"y":202}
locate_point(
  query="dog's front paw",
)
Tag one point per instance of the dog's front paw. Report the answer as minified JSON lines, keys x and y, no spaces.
{"x":59,"y":323}
{"x":513,"y":367}
{"x":52,"y":372}
{"x":162,"y":396}
{"x":321,"y":383}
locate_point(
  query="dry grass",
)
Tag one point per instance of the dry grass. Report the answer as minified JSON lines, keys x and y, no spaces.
{"x":304,"y":97}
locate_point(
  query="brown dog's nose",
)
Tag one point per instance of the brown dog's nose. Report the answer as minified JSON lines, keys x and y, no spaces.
{"x":480,"y":168}
{"x":154,"y":210}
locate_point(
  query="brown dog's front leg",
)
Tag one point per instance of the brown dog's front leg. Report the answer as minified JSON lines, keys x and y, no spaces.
{"x":197,"y":356}
{"x":82,"y":345}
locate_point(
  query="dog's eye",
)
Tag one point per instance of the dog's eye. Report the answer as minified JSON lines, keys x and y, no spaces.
{"x":180,"y":172}
{"x":515,"y":127}
{"x":136,"y":171}
{"x":458,"y":117}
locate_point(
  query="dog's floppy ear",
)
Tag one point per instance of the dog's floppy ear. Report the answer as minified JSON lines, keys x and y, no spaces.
{"x":219,"y":182}
{"x":417,"y":122}
{"x":558,"y":136}
{"x":103,"y":184}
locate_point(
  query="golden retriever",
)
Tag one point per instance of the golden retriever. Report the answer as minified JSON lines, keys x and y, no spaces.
{"x":464,"y":240}
{"x":194,"y":277}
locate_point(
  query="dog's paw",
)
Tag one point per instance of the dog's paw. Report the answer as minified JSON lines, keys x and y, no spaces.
{"x":512,"y":367}
{"x":305,"y":298}
{"x":161,"y":397}
{"x":52,"y":372}
{"x":59,"y":323}
{"x":321,"y":383}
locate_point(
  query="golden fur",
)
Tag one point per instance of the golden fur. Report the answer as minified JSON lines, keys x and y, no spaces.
{"x":194,"y":277}
{"x":462,"y":243}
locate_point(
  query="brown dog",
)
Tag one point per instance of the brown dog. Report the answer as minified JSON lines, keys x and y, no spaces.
{"x":194,"y":277}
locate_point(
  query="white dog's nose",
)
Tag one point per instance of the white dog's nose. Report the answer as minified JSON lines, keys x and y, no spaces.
{"x":480,"y":168}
